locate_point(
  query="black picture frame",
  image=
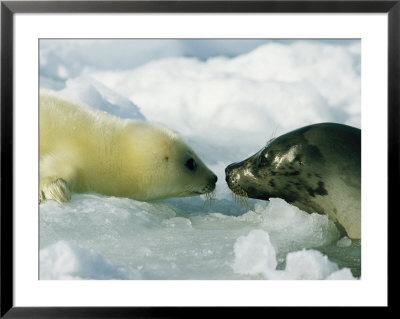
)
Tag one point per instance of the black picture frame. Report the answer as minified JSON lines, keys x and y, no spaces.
{"x":9,"y":8}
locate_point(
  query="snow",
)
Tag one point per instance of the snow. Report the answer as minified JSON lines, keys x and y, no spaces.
{"x":254,"y":254}
{"x":227,"y":98}
{"x":342,"y":274}
{"x":65,"y":261}
{"x":308,"y":265}
{"x":91,"y":92}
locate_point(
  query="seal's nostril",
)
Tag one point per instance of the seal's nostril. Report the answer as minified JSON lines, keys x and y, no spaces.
{"x":215,"y":178}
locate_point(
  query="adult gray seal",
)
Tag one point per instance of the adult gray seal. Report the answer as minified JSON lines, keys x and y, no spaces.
{"x":316,"y":168}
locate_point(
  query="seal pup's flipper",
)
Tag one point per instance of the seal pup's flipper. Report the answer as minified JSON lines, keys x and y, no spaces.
{"x":57,"y":190}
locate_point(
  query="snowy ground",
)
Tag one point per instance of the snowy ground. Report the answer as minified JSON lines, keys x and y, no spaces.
{"x":227,"y":98}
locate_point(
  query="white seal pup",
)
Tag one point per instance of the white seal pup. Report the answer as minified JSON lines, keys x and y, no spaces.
{"x":316,"y":168}
{"x":82,"y":150}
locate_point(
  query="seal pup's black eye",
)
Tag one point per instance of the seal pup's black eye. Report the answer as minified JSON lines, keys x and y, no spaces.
{"x":191,"y":164}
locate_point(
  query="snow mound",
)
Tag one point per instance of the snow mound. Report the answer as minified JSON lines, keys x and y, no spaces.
{"x":91,"y":92}
{"x":274,"y":87}
{"x":64,"y":260}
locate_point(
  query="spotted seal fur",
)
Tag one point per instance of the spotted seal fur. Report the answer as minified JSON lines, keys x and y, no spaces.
{"x":316,"y":168}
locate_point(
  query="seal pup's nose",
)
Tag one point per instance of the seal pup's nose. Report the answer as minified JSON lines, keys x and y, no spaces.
{"x":215,"y":178}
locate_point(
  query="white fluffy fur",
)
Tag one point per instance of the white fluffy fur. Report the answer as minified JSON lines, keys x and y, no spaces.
{"x":83,"y":150}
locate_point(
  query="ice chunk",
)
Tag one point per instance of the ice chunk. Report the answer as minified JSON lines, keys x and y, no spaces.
{"x":292,"y":229}
{"x":308,"y":264}
{"x":342,"y":274}
{"x":64,"y":260}
{"x":344,"y":242}
{"x":254,"y":253}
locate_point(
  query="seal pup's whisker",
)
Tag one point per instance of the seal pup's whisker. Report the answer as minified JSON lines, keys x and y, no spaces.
{"x":209,"y":197}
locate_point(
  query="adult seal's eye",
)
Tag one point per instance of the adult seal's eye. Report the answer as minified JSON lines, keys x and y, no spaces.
{"x":191,"y":164}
